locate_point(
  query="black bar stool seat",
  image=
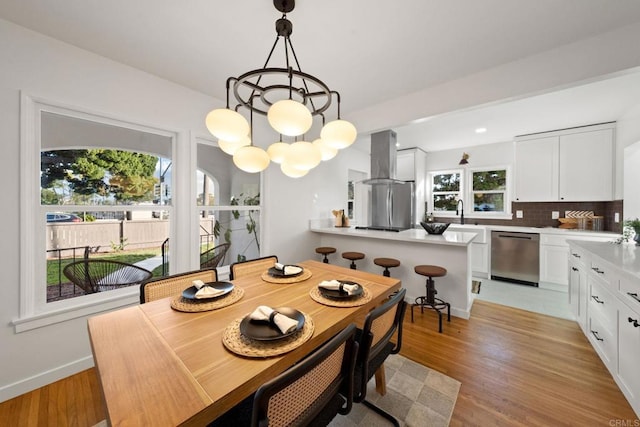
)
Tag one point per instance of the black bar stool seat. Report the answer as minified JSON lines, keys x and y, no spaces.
{"x":325,"y":250}
{"x":387,"y":263}
{"x":430,"y":300}
{"x":353,"y":257}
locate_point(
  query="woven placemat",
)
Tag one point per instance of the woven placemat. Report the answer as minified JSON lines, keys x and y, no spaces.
{"x":180,"y":303}
{"x":304,"y":276}
{"x":237,"y":343}
{"x":315,"y":295}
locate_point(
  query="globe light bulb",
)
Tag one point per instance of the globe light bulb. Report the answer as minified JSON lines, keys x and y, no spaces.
{"x":289,"y":117}
{"x":277,"y":150}
{"x":231,"y":147}
{"x":303,"y":155}
{"x":291,"y":171}
{"x":227,"y":124}
{"x":338,"y":134}
{"x":251,"y":159}
{"x":327,"y":152}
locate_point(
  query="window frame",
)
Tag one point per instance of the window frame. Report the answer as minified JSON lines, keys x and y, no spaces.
{"x":466,"y":193}
{"x":34,"y":311}
{"x":431,"y":193}
{"x":470,"y":212}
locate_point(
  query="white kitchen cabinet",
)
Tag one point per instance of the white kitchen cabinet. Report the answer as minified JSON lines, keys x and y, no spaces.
{"x":613,"y":308}
{"x":578,"y":296}
{"x":568,"y":165}
{"x":537,"y":169}
{"x":405,"y":166}
{"x":629,"y":349}
{"x":480,"y":259}
{"x":554,"y":263}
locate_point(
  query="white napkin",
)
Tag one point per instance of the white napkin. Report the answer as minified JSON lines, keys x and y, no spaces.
{"x":284,"y":323}
{"x":205,"y":291}
{"x":287,"y":269}
{"x":334,"y":285}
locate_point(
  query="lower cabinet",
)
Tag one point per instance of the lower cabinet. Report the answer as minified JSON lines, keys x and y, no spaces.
{"x":480,"y":259}
{"x":606,"y":302}
{"x":629,"y":351}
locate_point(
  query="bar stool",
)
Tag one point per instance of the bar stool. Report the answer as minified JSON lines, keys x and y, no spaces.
{"x":430,"y":300}
{"x":353,"y":257}
{"x":325,"y":250}
{"x":387,"y":263}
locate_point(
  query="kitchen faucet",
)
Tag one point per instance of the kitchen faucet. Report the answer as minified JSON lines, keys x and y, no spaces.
{"x":460,"y":203}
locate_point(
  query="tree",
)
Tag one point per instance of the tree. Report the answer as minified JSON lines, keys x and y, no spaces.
{"x":122,"y":175}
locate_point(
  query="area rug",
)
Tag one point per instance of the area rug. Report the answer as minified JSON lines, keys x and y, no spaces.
{"x":416,"y":395}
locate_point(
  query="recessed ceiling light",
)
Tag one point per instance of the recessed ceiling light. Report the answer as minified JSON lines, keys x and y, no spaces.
{"x":481,"y":130}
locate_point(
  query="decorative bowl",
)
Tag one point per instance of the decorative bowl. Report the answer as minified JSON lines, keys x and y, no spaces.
{"x":435,"y":227}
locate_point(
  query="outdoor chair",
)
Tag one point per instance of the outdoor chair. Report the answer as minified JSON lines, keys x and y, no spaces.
{"x":311,"y":393}
{"x":253,"y":266}
{"x":98,"y":275}
{"x":162,"y":287}
{"x":215,"y":256}
{"x":380,"y":325}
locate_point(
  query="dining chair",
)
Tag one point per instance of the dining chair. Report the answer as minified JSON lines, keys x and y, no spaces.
{"x":253,"y":266}
{"x":162,"y":287}
{"x":380,"y":325}
{"x":98,"y":275}
{"x":311,"y":393}
{"x":214,"y":256}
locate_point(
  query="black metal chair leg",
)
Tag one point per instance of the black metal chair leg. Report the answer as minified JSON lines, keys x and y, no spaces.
{"x":382,"y":412}
{"x":325,"y":260}
{"x":386,"y":273}
{"x":353,"y":265}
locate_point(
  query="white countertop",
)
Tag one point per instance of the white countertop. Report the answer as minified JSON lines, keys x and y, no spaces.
{"x":540,"y":230}
{"x":455,"y":238}
{"x":624,"y":256}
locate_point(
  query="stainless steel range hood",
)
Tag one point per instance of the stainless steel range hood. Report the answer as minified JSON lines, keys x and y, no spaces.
{"x":383,"y":158}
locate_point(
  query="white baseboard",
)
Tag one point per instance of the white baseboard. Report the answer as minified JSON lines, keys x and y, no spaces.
{"x":47,"y":377}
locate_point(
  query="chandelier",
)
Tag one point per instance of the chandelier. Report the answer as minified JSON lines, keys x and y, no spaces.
{"x":290,"y":99}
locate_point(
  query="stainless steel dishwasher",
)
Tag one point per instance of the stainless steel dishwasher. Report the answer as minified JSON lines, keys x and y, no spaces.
{"x":515,"y":257}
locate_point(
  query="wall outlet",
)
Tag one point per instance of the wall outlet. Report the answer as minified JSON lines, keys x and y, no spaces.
{"x":519,"y":214}
{"x":555,"y":214}
{"x":616,"y":217}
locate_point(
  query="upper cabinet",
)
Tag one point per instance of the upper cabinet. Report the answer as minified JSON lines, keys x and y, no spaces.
{"x":569,"y":165}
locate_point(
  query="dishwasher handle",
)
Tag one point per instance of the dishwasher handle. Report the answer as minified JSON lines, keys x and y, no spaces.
{"x":515,"y":235}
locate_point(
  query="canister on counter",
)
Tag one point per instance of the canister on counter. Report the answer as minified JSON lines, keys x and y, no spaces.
{"x":597,"y":223}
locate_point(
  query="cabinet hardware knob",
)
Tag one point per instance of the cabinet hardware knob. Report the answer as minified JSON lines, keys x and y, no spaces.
{"x":596,"y":299}
{"x":576,"y":255}
{"x":634,"y":322}
{"x":574,"y":269}
{"x":595,"y":334}
{"x":595,"y":269}
{"x":634,"y":296}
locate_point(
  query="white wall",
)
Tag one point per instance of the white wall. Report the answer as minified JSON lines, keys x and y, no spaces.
{"x":498,"y":154}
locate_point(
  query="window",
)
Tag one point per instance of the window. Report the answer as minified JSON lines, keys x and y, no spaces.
{"x":488,"y":189}
{"x":446,"y":189}
{"x":228,"y":206}
{"x":91,"y":187}
{"x":484,"y":192}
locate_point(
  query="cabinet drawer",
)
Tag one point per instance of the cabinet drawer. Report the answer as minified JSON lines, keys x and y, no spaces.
{"x":579,"y":255}
{"x":553,"y":240}
{"x":630,"y":290}
{"x":602,"y":339}
{"x":602,"y":305}
{"x":605,"y":272}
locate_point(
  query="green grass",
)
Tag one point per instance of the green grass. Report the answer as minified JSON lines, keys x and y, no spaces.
{"x":54,"y":267}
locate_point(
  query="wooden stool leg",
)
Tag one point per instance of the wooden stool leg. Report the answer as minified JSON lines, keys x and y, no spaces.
{"x":381,"y":381}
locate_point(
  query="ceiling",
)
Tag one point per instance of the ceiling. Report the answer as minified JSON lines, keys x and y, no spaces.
{"x":367,"y":50}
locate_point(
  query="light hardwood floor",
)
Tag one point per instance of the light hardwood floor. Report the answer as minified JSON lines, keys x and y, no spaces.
{"x":516,"y":368}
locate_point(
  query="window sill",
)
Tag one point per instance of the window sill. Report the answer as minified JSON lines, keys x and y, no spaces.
{"x":40,"y":320}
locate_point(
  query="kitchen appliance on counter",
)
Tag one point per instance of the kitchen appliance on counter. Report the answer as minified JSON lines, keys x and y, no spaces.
{"x":391,"y":201}
{"x":515,"y":257}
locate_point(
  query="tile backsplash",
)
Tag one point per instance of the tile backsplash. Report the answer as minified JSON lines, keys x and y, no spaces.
{"x":538,"y":214}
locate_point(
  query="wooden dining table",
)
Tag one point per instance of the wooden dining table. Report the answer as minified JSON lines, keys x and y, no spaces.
{"x":162,"y":367}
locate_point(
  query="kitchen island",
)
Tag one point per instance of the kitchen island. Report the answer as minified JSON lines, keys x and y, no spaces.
{"x":451,"y":250}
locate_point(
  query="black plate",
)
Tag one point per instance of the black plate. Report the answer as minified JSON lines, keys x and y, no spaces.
{"x":264,"y":331}
{"x":336,"y":294}
{"x":274,"y":272}
{"x":190,"y":292}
